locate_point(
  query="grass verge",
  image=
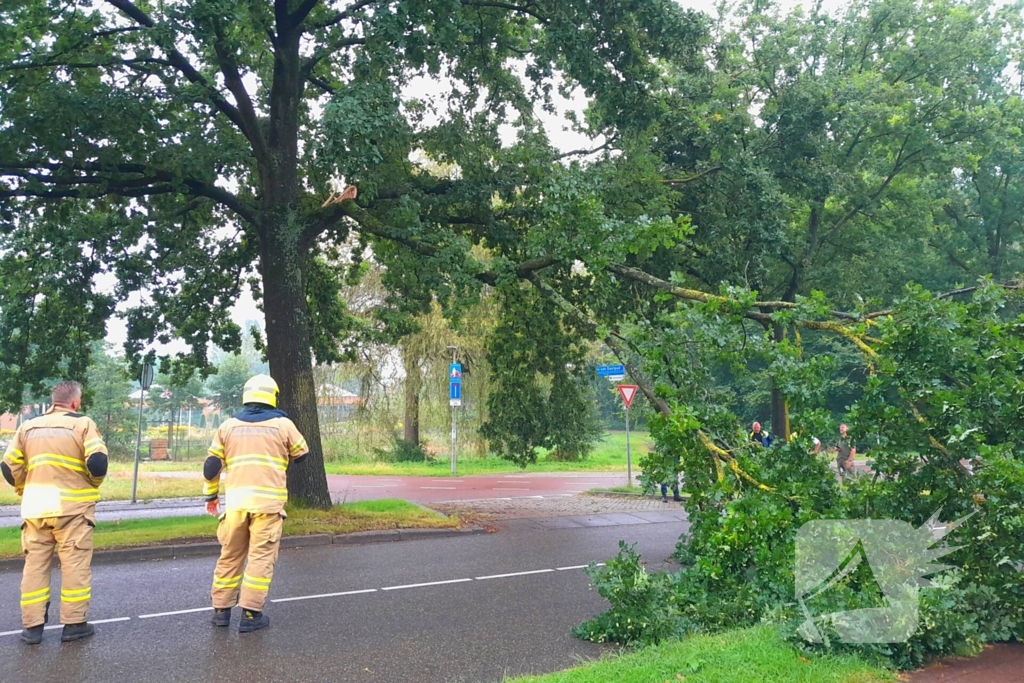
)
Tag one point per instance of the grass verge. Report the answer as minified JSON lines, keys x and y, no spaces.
{"x":741,"y":656}
{"x":373,"y":515}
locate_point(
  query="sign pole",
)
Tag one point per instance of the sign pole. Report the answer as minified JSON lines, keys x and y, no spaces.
{"x":145,"y":379}
{"x":628,"y":391}
{"x":455,"y":400}
{"x":629,"y":455}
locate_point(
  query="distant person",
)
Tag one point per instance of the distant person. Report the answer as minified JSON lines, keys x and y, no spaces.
{"x":845,"y":452}
{"x":675,"y":492}
{"x":759,"y":436}
{"x":817,"y":445}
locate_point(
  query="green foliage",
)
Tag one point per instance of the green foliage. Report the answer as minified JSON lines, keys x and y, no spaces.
{"x":943,"y":390}
{"x":538,"y":399}
{"x":226,"y":386}
{"x":402,"y":451}
{"x":106,"y":401}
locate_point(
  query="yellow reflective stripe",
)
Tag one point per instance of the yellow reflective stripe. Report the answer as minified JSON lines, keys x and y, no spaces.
{"x":211,"y":487}
{"x":256,"y":579}
{"x":25,"y":602}
{"x":55,"y":460}
{"x":228,"y":582}
{"x":217,"y":452}
{"x":32,"y":594}
{"x":257,"y":459}
{"x":80,"y":495}
{"x":260,"y":490}
{"x":256,"y":586}
{"x":298,"y":446}
{"x":15,"y":455}
{"x":95,"y":447}
{"x":75,"y":592}
{"x":78,"y":599}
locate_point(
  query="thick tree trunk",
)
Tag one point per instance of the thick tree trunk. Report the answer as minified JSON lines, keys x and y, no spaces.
{"x":282,"y":262}
{"x":413,"y":382}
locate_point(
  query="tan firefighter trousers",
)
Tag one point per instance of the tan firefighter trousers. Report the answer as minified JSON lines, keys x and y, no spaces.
{"x":71,"y":538}
{"x":243,"y":534}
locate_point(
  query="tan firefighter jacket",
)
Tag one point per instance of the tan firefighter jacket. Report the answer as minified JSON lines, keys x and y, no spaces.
{"x":256,"y":456}
{"x":48,"y":458}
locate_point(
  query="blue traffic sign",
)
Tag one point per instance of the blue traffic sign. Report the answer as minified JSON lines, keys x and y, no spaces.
{"x":611,"y":370}
{"x":455,"y":373}
{"x":455,"y":393}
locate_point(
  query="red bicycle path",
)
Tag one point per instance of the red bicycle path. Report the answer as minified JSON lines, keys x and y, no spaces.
{"x":351,"y":488}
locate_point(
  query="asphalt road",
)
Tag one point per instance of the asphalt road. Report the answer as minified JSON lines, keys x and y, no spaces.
{"x":474,"y":624}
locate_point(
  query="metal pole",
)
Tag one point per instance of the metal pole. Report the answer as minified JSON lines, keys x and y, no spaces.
{"x":454,"y":429}
{"x":138,"y":444}
{"x":629,"y":455}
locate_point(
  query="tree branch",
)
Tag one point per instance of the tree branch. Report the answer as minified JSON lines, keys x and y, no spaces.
{"x":247,"y":112}
{"x":147,"y":181}
{"x":178,"y":61}
{"x":346,"y":13}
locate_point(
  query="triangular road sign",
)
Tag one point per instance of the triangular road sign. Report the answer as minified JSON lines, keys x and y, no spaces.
{"x":628,"y":391}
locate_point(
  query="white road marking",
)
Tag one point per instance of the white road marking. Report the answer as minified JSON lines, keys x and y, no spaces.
{"x":505,"y":576}
{"x":325,"y":595}
{"x":440,"y":488}
{"x":329,"y":595}
{"x":180,"y":611}
{"x":57,"y":626}
{"x":501,"y":489}
{"x":422,"y":585}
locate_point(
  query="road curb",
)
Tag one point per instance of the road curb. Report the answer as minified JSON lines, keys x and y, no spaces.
{"x":211,"y":549}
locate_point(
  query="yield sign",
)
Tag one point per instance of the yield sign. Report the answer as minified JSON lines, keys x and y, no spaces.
{"x":628,"y":391}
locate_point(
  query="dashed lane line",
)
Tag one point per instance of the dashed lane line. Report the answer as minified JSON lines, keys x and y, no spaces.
{"x":175,"y":613}
{"x":325,"y":595}
{"x":424,"y":585}
{"x":507,"y":576}
{"x":319,"y":596}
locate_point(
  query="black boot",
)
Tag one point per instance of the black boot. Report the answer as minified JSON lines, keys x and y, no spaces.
{"x":76,"y":632}
{"x":34,"y":635}
{"x":252,"y":621}
{"x":222,"y":617}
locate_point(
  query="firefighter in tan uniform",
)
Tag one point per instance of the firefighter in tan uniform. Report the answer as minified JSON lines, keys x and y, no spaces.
{"x":254,"y":448}
{"x":56,"y":463}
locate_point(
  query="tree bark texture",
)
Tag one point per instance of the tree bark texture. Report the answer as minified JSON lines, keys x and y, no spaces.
{"x":413,"y":384}
{"x":282,"y":265}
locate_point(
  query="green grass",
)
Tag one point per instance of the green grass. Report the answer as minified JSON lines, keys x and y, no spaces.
{"x":371,"y":515}
{"x":609,"y":455}
{"x":741,"y":656}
